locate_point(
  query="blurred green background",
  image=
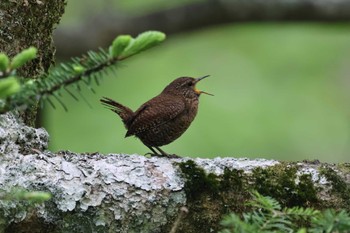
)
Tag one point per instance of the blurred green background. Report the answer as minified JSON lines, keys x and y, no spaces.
{"x":281,"y":92}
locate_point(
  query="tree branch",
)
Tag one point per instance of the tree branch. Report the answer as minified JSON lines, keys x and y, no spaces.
{"x":131,"y":193}
{"x":101,"y":29}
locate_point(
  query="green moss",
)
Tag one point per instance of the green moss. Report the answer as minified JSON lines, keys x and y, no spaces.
{"x":279,"y":182}
{"x":197,"y":181}
{"x":344,"y":167}
{"x":211,"y":196}
{"x":339,"y":186}
{"x":35,"y":224}
{"x":232,"y":180}
{"x":79,"y":222}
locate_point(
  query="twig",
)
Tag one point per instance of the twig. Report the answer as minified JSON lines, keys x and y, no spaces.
{"x":182,"y":214}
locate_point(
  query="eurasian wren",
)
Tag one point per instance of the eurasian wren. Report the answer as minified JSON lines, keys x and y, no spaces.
{"x":164,"y":118}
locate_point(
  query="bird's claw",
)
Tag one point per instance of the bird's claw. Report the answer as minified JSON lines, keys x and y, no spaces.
{"x":170,"y":156}
{"x":173,"y":156}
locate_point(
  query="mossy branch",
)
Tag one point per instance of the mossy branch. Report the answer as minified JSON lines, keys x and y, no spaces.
{"x":93,"y":65}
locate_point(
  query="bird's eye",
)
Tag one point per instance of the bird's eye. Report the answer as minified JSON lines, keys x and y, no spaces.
{"x":190,"y":84}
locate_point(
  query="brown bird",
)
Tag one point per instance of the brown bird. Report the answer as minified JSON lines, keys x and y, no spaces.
{"x":164,"y":118}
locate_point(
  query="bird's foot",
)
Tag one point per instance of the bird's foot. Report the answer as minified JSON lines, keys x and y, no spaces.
{"x":170,"y":156}
{"x":150,"y":155}
{"x":163,"y":153}
{"x":173,"y":156}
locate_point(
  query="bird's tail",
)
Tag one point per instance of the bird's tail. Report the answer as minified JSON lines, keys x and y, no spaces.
{"x":124,"y":112}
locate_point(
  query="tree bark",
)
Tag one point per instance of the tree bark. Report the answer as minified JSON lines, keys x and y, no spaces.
{"x":194,"y":16}
{"x":26,"y":23}
{"x":132,"y":193}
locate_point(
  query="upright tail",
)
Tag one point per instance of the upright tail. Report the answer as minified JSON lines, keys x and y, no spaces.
{"x":124,"y":112}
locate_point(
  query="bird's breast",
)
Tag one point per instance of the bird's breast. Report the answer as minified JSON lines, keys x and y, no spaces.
{"x":191,"y":109}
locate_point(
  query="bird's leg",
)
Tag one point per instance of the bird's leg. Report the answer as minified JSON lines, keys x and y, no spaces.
{"x":166,"y":154}
{"x":162,"y":151}
{"x":154,"y":152}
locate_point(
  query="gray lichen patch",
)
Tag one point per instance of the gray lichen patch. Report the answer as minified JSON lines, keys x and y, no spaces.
{"x":218,"y":165}
{"x":17,"y":137}
{"x":133,"y":189}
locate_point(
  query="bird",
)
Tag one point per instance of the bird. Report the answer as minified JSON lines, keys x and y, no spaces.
{"x":164,"y":118}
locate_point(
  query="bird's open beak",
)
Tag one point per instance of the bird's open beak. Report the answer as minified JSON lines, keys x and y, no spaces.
{"x":199,"y":91}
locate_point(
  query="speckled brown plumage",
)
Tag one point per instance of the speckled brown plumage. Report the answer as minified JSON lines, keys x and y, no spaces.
{"x":164,"y":118}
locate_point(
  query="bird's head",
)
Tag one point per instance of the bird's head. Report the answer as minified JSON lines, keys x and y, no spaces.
{"x":185,"y":86}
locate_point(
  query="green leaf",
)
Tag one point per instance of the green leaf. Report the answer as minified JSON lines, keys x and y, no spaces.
{"x":23,"y":57}
{"x":143,"y":41}
{"x":4,"y":62}
{"x":119,"y":44}
{"x":78,"y":69}
{"x":8,"y":87}
{"x":37,"y":196}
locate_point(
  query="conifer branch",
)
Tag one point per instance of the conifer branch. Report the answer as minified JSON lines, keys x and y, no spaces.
{"x":93,"y":65}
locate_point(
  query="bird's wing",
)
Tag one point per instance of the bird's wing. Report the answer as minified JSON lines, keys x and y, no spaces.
{"x":154,"y":113}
